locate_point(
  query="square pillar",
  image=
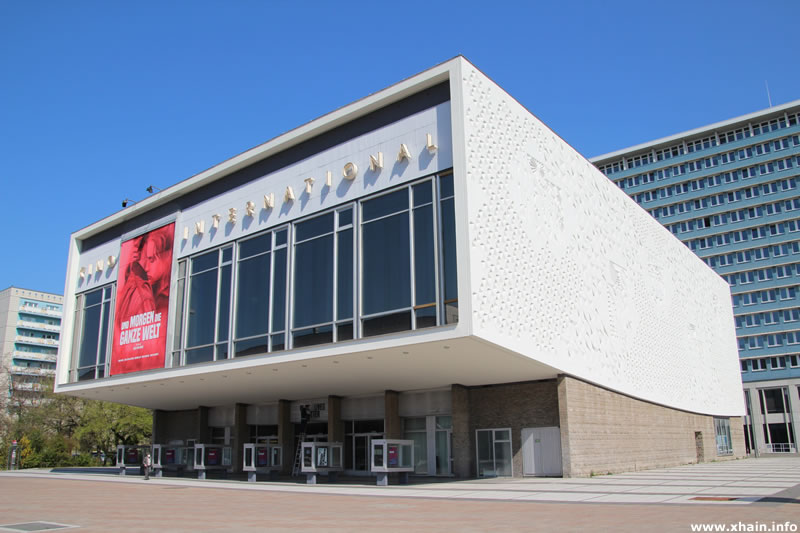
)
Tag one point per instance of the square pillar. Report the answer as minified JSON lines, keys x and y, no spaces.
{"x":335,"y":428}
{"x":392,"y":425}
{"x":241,"y":434}
{"x":160,"y":421}
{"x":286,"y":435}
{"x":463,"y":444}
{"x":201,"y":430}
{"x":563,"y":422}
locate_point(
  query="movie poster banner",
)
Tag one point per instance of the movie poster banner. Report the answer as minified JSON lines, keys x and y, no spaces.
{"x":140,"y":320}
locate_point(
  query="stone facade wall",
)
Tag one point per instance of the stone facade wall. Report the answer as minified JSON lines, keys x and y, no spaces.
{"x":603,"y":431}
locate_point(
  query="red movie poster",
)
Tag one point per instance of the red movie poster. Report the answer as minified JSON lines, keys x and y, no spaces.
{"x":140,"y":321}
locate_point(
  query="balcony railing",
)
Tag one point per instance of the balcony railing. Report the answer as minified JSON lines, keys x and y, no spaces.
{"x":38,"y":325}
{"x":36,"y":340}
{"x":39,"y":310}
{"x":32,"y":371}
{"x":33,"y":356}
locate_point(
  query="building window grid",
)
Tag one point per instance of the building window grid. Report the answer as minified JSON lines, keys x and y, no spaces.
{"x":722,"y":429}
{"x":218,"y":347}
{"x":443,"y":316}
{"x":695,"y":145}
{"x":272,"y":334}
{"x":729,"y":197}
{"x":703,"y":182}
{"x":777,"y":363}
{"x":99,"y":364}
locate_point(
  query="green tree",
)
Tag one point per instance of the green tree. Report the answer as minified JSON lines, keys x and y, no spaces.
{"x":61,"y":430}
{"x":104,"y":425}
{"x":24,"y":450}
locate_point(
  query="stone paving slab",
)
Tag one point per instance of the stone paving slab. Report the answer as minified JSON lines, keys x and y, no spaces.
{"x":560,"y":496}
{"x":753,"y":479}
{"x":633,"y":498}
{"x":670,"y":489}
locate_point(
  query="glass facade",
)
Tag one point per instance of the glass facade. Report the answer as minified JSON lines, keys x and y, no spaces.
{"x":94,"y":311}
{"x":380,"y":265}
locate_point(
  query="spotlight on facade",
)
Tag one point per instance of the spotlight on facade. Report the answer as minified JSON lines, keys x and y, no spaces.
{"x":151,"y":187}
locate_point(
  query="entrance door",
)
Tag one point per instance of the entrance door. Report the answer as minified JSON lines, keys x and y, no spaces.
{"x":494,"y":452}
{"x":541,"y":451}
{"x":432,"y":436}
{"x":358,"y":443}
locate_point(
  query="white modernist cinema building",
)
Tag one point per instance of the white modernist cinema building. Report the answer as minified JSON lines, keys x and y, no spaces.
{"x":429,"y":263}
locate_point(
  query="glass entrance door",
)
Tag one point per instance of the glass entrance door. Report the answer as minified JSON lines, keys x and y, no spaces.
{"x":494,"y":452}
{"x":361,"y":453}
{"x":432,"y":436}
{"x":358,"y":443}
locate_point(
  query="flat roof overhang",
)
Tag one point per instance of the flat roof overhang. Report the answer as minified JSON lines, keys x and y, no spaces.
{"x":266,"y":379}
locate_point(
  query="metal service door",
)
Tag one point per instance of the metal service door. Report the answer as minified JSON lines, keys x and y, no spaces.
{"x":541,"y":451}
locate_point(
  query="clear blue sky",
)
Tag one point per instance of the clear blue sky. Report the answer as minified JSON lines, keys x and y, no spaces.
{"x":99,"y":99}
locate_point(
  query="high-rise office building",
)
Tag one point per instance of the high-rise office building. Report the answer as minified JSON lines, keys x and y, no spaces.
{"x":30,"y":326}
{"x":730,"y":192}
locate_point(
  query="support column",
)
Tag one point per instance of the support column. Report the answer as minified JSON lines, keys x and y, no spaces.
{"x":335,"y":428}
{"x":201,"y":429}
{"x":241,"y":434}
{"x":392,"y":425}
{"x":758,"y":420}
{"x":563,"y":422}
{"x":794,"y":412}
{"x":160,"y":420}
{"x":286,"y":435}
{"x":463,"y":445}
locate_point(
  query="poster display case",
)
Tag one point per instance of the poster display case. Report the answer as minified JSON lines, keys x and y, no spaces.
{"x":130,"y":456}
{"x":211,"y":457}
{"x":171,"y":458}
{"x":392,"y":456}
{"x":321,"y":458}
{"x":262,"y":459}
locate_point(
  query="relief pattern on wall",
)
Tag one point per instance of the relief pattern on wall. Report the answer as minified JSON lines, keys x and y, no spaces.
{"x":568,"y":270}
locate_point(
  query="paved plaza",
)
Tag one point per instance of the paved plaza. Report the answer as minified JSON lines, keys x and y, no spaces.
{"x":751,"y":491}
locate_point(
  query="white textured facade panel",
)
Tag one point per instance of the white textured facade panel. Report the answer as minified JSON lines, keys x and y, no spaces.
{"x":567,"y":270}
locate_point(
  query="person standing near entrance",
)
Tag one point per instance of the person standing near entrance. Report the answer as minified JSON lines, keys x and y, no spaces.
{"x":146,"y":465}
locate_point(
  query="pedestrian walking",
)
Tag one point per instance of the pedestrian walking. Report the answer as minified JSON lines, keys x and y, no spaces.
{"x":146,"y":465}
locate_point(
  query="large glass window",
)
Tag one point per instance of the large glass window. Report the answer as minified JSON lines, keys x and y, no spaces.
{"x":313,"y":281}
{"x":448,"y":250}
{"x":208,"y":316}
{"x":386,"y":264}
{"x":722,"y":428}
{"x":381,"y":265}
{"x":261,"y":294}
{"x":494,"y":452}
{"x":94,"y":310}
{"x":409,"y":278}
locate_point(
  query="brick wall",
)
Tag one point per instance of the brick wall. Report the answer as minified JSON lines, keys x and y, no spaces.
{"x":603,"y":431}
{"x":514,"y":406}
